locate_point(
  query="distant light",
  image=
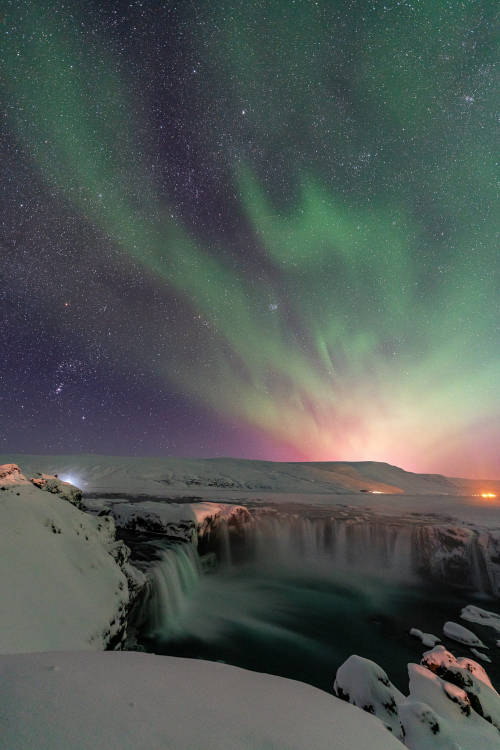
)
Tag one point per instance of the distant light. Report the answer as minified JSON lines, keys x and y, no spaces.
{"x":376,"y":492}
{"x":70,"y":479}
{"x":488,"y":494}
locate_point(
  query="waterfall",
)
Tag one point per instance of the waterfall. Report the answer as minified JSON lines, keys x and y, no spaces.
{"x":328,"y":543}
{"x":293,"y":547}
{"x":173,"y":580}
{"x":479,"y":570}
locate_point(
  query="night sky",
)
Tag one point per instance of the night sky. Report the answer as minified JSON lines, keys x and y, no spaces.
{"x":258,"y":229}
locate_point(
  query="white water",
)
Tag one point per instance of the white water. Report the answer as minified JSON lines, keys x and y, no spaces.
{"x":329,"y":546}
{"x":174,"y":580}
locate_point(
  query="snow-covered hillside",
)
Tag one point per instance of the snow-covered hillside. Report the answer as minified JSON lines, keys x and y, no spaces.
{"x":168,"y":476}
{"x":65,"y":582}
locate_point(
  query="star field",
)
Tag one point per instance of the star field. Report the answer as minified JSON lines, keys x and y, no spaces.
{"x":258,"y":229}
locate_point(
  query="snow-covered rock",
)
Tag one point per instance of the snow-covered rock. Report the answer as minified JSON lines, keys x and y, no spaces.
{"x":445,"y":664}
{"x":444,"y":552}
{"x":63,"y":580}
{"x":479,"y":655}
{"x":468,"y":675}
{"x":452,"y":704}
{"x":135,"y":701}
{"x":426,"y":638}
{"x":462,"y":635}
{"x":53,"y":484}
{"x":439,"y":714}
{"x":480,"y":616}
{"x":364,"y":684}
{"x":187,"y":521}
{"x":424,"y":729}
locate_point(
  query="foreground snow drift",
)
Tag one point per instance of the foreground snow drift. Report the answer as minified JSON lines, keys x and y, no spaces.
{"x":132,"y":701}
{"x":64,"y":580}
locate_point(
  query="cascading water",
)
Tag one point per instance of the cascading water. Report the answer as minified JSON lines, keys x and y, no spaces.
{"x":173,"y":581}
{"x":328,"y":544}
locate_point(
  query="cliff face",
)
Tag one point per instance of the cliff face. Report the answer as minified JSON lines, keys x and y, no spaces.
{"x":66,"y":582}
{"x":459,"y":556}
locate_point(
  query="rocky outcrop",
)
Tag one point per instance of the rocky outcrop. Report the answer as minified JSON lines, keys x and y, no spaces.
{"x":11,"y":473}
{"x":57,"y":487}
{"x":191,"y":522}
{"x":458,"y":555}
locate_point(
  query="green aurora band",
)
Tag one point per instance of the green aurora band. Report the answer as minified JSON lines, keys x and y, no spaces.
{"x":355,"y":341}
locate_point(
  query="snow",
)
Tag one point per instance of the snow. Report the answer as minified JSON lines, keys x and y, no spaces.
{"x":449,"y":706}
{"x":136,"y":701}
{"x":441,"y":661}
{"x":481,"y":656}
{"x":462,"y":635}
{"x":176,"y":519}
{"x":425,"y":730}
{"x":60,"y":585}
{"x":470,"y":676}
{"x":451,"y":703}
{"x":160,"y":476}
{"x":363,"y":683}
{"x":59,"y":487}
{"x":481,"y":617}
{"x":427,"y":638}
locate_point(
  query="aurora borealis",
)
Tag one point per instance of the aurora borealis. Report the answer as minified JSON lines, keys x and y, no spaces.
{"x":259,"y":229}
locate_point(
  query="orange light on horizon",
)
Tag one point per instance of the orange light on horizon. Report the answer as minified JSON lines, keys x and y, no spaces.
{"x":488,"y":494}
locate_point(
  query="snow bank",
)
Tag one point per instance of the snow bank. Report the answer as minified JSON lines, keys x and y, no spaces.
{"x":133,"y":701}
{"x":63,"y":580}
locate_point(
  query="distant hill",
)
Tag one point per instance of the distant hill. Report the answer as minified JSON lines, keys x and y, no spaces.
{"x":163,"y":477}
